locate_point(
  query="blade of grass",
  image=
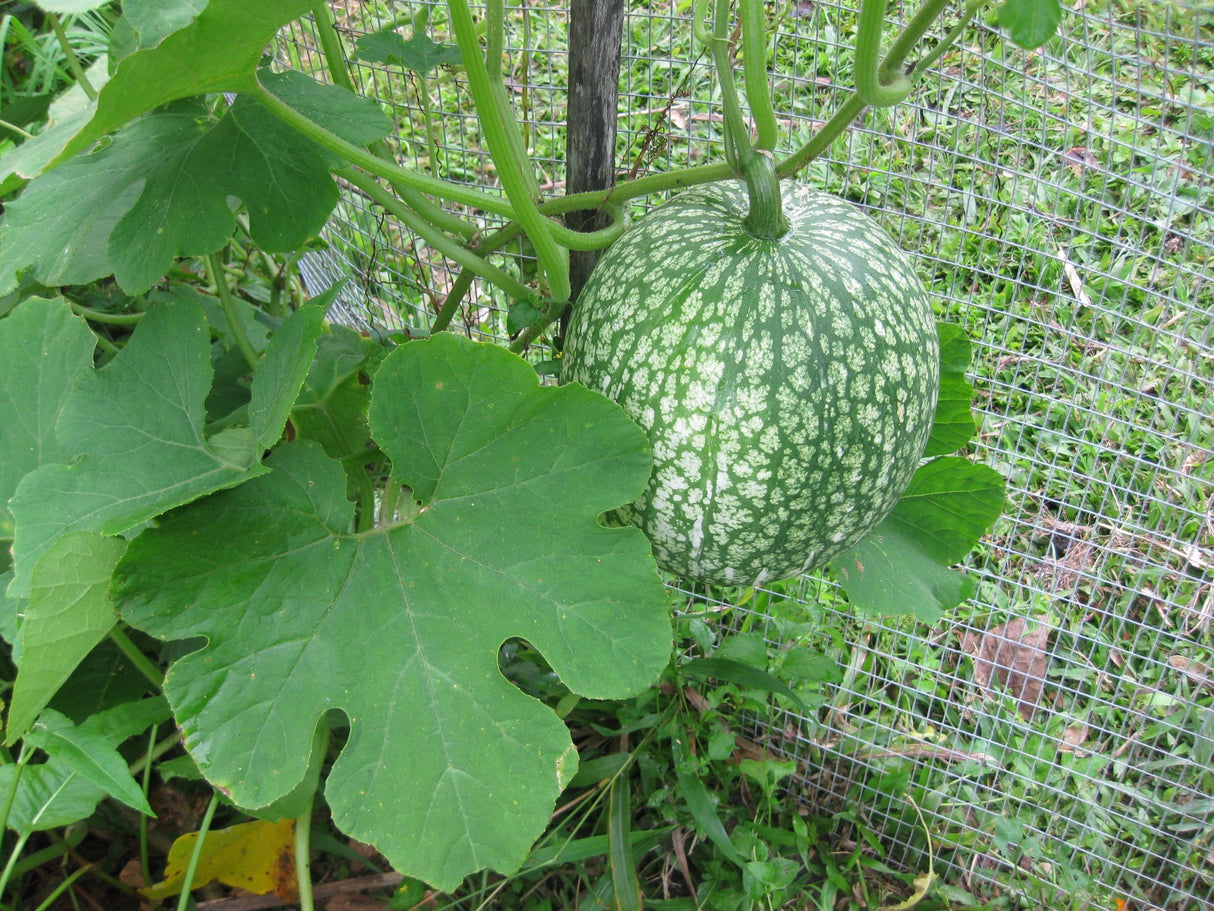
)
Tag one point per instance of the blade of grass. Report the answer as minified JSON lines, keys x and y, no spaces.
{"x":183,"y":900}
{"x":623,"y":867}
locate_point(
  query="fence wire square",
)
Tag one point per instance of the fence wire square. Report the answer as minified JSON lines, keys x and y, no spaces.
{"x":1057,"y":730}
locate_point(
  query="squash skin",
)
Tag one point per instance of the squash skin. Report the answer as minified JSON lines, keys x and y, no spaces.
{"x":787,"y":387}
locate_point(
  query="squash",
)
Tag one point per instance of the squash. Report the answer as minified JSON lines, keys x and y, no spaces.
{"x":787,"y":386}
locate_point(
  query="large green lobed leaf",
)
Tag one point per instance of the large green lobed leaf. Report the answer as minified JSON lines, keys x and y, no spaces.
{"x":448,"y":768}
{"x":218,"y":50}
{"x":43,"y":339}
{"x":178,"y":169}
{"x":131,"y":438}
{"x":902,"y":565}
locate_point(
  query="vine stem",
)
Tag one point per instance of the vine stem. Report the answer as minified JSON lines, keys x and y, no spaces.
{"x":495,"y":42}
{"x":640,"y":186}
{"x":12,"y":127}
{"x":167,"y":743}
{"x":330,"y":46}
{"x":144,"y":867}
{"x":928,"y":60}
{"x":821,"y":140}
{"x":183,"y":901}
{"x":12,"y":858}
{"x":923,"y":19}
{"x":765,"y":219}
{"x":214,"y":267}
{"x":136,"y":656}
{"x":339,"y":72}
{"x":505,"y":148}
{"x":6,"y":810}
{"x":446,"y":245}
{"x":373,"y":164}
{"x":608,"y":199}
{"x":303,"y":859}
{"x":738,"y":148}
{"x":914,"y":31}
{"x":754,"y":69}
{"x":531,"y":333}
{"x":108,"y":319}
{"x":876,"y":84}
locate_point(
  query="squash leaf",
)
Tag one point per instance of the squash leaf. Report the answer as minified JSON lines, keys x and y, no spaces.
{"x":178,"y":169}
{"x":43,"y":339}
{"x":217,"y":50}
{"x":447,"y":768}
{"x":133,"y":432}
{"x":902,"y":565}
{"x":68,"y":613}
{"x":1030,"y":23}
{"x":953,"y":425}
{"x":419,"y":54}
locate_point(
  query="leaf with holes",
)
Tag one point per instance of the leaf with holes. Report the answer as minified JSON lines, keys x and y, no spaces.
{"x":447,"y":768}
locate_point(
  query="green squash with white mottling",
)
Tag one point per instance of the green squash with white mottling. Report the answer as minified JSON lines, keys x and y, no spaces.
{"x":787,"y":386}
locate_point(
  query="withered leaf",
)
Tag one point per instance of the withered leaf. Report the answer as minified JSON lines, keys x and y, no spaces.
{"x":1016,"y":656}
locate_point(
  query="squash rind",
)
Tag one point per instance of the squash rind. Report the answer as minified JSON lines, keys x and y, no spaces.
{"x":787,"y":387}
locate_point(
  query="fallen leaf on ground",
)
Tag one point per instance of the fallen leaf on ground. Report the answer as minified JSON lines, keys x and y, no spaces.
{"x":1014,"y":655}
{"x":257,"y":856}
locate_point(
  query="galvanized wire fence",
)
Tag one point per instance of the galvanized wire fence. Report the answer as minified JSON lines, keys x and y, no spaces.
{"x":1057,"y":731}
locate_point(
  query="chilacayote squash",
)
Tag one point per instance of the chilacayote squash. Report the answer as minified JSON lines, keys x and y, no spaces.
{"x":787,"y":386}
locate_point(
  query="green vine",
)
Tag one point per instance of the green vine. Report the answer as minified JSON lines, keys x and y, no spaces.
{"x":880,"y":81}
{"x":876,"y":83}
{"x":505,"y":145}
{"x":754,"y":63}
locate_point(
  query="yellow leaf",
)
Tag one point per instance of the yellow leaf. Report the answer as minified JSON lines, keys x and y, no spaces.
{"x":258,"y":856}
{"x":923,"y":882}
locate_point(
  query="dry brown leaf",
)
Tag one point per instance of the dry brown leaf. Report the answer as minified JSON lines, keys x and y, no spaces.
{"x":1194,"y":670}
{"x":1014,"y":655}
{"x":1072,"y":738}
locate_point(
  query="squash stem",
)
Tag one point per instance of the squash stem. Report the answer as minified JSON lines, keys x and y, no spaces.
{"x":738,"y":148}
{"x":890,"y":71}
{"x":754,"y":68}
{"x":766,"y":219}
{"x":875,"y":83}
{"x":505,"y":146}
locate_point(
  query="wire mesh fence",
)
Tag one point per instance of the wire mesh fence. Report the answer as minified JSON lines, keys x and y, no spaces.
{"x":1056,"y":731}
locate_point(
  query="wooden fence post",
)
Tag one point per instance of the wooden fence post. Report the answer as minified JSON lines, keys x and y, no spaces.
{"x":595,"y":29}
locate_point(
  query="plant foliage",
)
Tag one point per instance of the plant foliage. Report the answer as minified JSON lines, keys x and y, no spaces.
{"x":330,"y":541}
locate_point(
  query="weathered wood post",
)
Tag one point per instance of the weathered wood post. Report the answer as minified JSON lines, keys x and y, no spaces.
{"x":595,"y":29}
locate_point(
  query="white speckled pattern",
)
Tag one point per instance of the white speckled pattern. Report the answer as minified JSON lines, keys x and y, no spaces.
{"x":788,"y":387}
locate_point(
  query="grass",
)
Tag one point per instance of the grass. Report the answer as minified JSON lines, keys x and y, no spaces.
{"x":1060,"y":207}
{"x":34,"y":65}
